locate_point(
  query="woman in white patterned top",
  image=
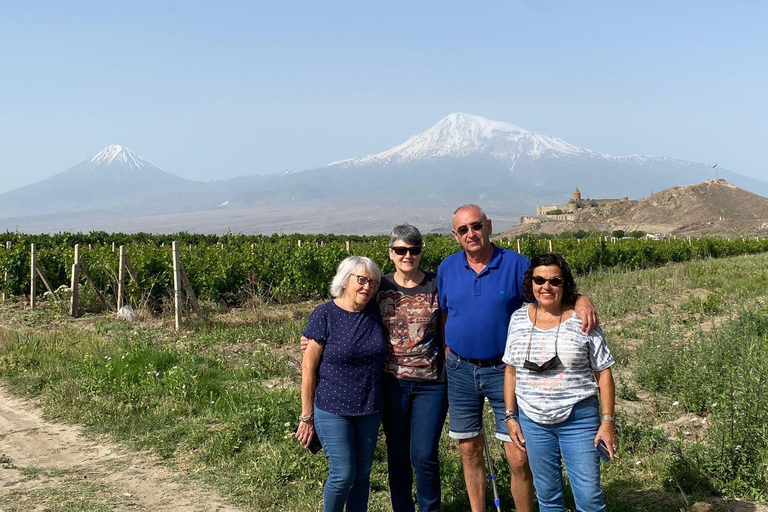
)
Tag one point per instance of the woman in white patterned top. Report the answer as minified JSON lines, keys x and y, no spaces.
{"x":552,"y":379}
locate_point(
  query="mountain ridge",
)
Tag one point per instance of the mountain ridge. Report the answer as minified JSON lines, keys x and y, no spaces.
{"x":461,"y":159}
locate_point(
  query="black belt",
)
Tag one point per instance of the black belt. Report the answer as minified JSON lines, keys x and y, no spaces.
{"x":478,"y":362}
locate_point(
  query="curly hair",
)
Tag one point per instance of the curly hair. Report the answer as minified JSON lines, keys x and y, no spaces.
{"x":569,"y":285}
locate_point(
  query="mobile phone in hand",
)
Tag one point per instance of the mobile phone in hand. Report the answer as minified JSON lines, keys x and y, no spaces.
{"x":314,"y":443}
{"x":602,"y":449}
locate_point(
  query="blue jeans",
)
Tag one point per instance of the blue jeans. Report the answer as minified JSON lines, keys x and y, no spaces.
{"x":573,"y":440}
{"x":468,"y":387}
{"x":414,"y":413}
{"x":348,"y":443}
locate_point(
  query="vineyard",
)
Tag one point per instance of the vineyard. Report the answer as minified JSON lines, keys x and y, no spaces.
{"x":231,"y":269}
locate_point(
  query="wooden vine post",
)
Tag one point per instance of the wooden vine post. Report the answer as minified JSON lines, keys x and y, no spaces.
{"x":73,"y":305}
{"x":181,"y":284}
{"x":77,"y":269}
{"x":176,"y":285}
{"x":5,"y":282}
{"x":120,"y":276}
{"x":125,"y":265}
{"x":32,"y":278}
{"x":37,"y":270}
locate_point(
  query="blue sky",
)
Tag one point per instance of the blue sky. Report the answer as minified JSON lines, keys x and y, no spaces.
{"x":211,"y":90}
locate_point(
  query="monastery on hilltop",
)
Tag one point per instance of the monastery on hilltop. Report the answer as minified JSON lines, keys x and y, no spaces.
{"x":566,"y":211}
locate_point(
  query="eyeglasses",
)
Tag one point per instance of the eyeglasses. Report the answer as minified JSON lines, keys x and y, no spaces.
{"x":556,"y":282}
{"x":401,"y":250}
{"x":362,"y":281}
{"x":475,"y":226}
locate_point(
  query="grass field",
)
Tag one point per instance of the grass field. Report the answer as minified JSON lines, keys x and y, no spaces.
{"x":220,"y":400}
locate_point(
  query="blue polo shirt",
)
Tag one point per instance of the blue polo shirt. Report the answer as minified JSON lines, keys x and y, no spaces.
{"x":478,"y":306}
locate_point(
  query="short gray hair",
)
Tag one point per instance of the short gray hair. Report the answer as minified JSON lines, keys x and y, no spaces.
{"x":407,"y":233}
{"x":349,"y":265}
{"x":464,"y":206}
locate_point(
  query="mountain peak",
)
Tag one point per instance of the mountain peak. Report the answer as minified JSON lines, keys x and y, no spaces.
{"x":115,"y":154}
{"x":460,"y":135}
{"x":460,"y":121}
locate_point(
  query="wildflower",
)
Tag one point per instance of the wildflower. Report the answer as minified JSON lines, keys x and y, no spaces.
{"x":675,"y":403}
{"x":287,"y":424}
{"x":687,"y":433}
{"x":703,"y":421}
{"x":714,"y":404}
{"x":637,"y":463}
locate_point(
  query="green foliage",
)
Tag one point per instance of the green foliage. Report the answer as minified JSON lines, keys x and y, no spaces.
{"x":557,"y":211}
{"x":617,"y":233}
{"x":233,"y":268}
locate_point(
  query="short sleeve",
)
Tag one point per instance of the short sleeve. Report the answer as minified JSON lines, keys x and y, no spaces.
{"x":317,"y":327}
{"x":599,"y":355}
{"x":441,"y":289}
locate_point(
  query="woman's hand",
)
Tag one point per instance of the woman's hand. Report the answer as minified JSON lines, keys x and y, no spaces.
{"x":305,"y":432}
{"x":607,"y":433}
{"x":516,"y":433}
{"x":304,"y":342}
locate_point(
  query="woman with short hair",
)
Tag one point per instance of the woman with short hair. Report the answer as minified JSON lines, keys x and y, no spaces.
{"x":551,"y":384}
{"x":341,"y":383}
{"x":415,"y":392}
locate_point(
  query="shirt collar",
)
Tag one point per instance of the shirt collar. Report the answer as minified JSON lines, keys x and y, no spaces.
{"x":494,"y":262}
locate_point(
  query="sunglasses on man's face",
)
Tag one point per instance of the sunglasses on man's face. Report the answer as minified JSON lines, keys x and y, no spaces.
{"x":554,"y":281}
{"x":476,"y":226}
{"x":400,"y":251}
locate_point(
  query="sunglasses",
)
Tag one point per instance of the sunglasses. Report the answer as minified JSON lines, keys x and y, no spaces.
{"x":362,"y":281}
{"x":556,"y":282}
{"x":476,"y":226}
{"x":400,"y":251}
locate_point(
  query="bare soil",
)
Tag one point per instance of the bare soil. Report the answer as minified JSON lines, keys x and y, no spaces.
{"x":44,"y":463}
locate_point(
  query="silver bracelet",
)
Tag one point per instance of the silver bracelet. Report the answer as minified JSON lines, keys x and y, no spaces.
{"x":607,"y":417}
{"x":307,"y":418}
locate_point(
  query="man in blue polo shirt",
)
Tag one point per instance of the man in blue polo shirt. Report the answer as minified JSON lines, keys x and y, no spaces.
{"x":479,"y":288}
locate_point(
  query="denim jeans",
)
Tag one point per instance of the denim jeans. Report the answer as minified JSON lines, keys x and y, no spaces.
{"x":414,"y":413}
{"x":573,"y":440}
{"x":348,"y":443}
{"x":468,"y":387}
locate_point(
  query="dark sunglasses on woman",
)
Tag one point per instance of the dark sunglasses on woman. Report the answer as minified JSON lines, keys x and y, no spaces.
{"x":554,"y":281}
{"x":400,"y":251}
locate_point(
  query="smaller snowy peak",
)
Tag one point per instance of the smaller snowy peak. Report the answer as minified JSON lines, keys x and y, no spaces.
{"x":461,"y":135}
{"x":120,"y":156}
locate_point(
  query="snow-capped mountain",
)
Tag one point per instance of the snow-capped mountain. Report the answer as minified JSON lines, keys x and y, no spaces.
{"x":119,"y":157}
{"x":462,"y":159}
{"x":114,"y":181}
{"x":461,"y":135}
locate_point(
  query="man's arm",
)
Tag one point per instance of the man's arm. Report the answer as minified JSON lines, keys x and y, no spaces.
{"x":586,"y":311}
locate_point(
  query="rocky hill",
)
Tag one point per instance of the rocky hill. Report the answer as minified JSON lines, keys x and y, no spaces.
{"x":713,"y":207}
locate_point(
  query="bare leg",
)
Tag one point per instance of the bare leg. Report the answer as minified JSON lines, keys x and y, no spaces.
{"x":474,"y":471}
{"x":521,"y":479}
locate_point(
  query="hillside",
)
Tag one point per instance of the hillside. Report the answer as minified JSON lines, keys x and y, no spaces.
{"x":712,"y":207}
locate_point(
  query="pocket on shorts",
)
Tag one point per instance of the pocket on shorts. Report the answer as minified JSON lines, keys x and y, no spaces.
{"x":500,"y":367}
{"x":451,"y":361}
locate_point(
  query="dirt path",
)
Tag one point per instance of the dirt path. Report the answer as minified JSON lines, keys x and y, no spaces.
{"x":45,"y":465}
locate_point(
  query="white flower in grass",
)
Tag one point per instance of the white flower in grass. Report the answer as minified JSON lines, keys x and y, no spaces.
{"x":714,"y":404}
{"x":687,"y":433}
{"x":675,"y":403}
{"x":287,"y":424}
{"x":703,"y":421}
{"x":738,"y":447}
{"x":637,"y":463}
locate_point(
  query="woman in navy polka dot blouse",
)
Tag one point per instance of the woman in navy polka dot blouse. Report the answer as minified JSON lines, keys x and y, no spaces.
{"x":341,"y":383}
